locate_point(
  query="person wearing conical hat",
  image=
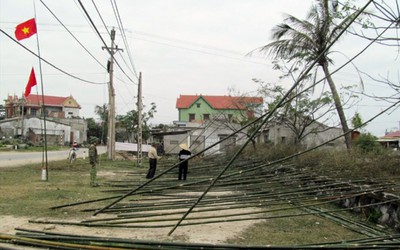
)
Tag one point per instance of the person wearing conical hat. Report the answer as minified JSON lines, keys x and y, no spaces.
{"x":183,"y":155}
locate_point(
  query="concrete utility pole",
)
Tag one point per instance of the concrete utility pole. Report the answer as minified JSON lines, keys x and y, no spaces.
{"x":111,"y":108}
{"x":139,"y":134}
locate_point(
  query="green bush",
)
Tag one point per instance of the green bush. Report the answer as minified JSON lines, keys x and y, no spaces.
{"x":367,"y":143}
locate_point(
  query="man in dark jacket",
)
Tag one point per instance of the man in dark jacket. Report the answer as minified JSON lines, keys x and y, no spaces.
{"x":183,"y":166}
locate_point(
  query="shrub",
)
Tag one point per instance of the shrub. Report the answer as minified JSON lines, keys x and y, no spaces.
{"x":367,"y":143}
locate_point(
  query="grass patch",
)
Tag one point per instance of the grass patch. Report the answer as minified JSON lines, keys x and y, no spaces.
{"x":292,"y":231}
{"x":25,"y":194}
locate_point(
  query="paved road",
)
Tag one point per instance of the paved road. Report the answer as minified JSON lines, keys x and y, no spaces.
{"x":15,"y":158}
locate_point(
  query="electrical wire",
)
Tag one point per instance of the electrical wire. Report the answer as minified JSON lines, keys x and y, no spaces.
{"x":119,"y":21}
{"x":49,"y":63}
{"x":101,"y":18}
{"x":76,"y":39}
{"x":101,"y":38}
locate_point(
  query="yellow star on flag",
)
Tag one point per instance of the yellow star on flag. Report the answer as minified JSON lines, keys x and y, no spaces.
{"x":25,"y":30}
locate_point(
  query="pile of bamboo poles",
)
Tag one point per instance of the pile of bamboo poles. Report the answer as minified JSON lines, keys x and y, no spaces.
{"x":249,"y":191}
{"x":68,"y":241}
{"x":267,"y":191}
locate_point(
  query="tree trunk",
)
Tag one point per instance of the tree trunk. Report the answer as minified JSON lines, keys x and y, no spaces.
{"x":338,"y":106}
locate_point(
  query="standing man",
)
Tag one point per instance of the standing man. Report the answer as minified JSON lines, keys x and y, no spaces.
{"x":93,"y":158}
{"x":183,"y":166}
{"x":153,"y":157}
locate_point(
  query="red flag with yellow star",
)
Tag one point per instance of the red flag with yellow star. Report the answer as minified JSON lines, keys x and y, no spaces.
{"x":25,"y":29}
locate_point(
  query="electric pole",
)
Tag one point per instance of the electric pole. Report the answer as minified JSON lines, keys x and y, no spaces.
{"x":111,"y":105}
{"x":139,"y":133}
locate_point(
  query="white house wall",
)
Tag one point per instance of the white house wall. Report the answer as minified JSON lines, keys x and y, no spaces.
{"x":52,"y":128}
{"x":71,"y":112}
{"x":281,"y":134}
{"x":214,"y":132}
{"x":37,"y":126}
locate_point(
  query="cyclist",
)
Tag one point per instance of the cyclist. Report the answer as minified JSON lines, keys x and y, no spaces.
{"x":72,"y":152}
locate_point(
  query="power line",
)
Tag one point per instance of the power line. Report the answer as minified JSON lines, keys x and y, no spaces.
{"x":44,"y":60}
{"x":119,"y":21}
{"x":101,"y":38}
{"x":76,"y":39}
{"x":201,"y":51}
{"x":101,"y":18}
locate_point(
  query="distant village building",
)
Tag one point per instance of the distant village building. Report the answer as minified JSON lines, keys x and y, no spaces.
{"x":205,"y":119}
{"x":200,"y":136}
{"x":31,"y":106}
{"x":390,"y":140}
{"x":23,"y":118}
{"x":315,"y":134}
{"x":200,"y":108}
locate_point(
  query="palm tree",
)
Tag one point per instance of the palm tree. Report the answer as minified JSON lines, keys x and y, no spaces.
{"x":308,"y":40}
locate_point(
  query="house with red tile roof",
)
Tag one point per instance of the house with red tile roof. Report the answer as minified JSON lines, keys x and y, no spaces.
{"x":390,"y":140}
{"x":200,"y":108}
{"x":23,"y":118}
{"x":31,"y":106}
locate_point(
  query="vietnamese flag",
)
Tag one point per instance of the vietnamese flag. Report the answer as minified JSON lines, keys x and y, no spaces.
{"x":31,"y":83}
{"x":25,"y":29}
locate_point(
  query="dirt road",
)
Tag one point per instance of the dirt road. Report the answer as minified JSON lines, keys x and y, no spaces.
{"x":15,"y":158}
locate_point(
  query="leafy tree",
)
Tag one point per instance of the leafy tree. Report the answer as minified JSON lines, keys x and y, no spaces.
{"x":102,"y":112}
{"x":308,"y":41}
{"x":368,"y":143}
{"x":357,"y":121}
{"x":129,"y":123}
{"x":94,"y":129}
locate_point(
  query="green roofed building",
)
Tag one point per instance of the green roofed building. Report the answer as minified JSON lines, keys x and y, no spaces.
{"x":200,"y":108}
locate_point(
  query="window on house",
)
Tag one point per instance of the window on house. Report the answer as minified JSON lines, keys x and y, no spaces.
{"x":206,"y":117}
{"x":174,"y":142}
{"x":198,"y":105}
{"x":33,"y":112}
{"x":70,"y":113}
{"x":230,"y":116}
{"x":192,"y":117}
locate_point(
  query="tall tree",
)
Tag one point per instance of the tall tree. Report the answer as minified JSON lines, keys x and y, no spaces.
{"x":102,"y":112}
{"x":94,"y":129}
{"x":129,"y":123}
{"x":308,"y":40}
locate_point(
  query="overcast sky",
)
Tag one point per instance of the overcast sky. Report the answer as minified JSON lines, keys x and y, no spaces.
{"x":179,"y":46}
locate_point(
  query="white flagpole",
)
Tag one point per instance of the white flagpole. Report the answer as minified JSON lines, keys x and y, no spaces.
{"x":45,"y":168}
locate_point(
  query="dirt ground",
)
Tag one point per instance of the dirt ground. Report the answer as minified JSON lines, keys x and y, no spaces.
{"x":207,"y":233}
